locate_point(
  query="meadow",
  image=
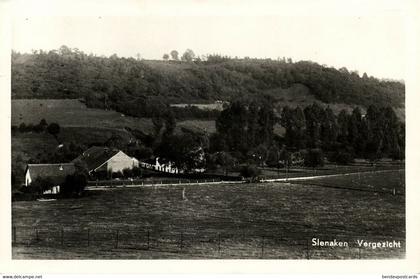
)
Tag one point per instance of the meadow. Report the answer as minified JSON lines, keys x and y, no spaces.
{"x":72,"y":113}
{"x":232,"y":221}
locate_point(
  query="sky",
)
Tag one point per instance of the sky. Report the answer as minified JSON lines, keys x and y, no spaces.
{"x":360,"y":36}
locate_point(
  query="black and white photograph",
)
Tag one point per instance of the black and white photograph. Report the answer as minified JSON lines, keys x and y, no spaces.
{"x":211,"y":130}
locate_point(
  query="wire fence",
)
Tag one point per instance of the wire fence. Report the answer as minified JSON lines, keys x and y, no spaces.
{"x":204,"y":244}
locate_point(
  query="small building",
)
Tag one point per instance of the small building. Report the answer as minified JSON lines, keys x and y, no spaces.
{"x":57,"y":173}
{"x":167,"y":167}
{"x":103,"y":159}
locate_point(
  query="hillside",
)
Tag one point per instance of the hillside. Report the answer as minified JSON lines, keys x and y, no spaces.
{"x":142,"y":88}
{"x":73,"y":113}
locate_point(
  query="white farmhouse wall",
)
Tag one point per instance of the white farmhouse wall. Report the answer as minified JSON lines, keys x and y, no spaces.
{"x":119,"y":162}
{"x":28,"y":179}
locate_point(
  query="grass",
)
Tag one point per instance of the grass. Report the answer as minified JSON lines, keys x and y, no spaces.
{"x":73,"y":113}
{"x":29,"y":145}
{"x":215,"y":221}
{"x":365,"y":181}
{"x":208,"y":126}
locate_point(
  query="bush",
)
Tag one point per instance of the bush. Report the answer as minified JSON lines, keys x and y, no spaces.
{"x":250,"y":171}
{"x":342,"y":158}
{"x":117,"y":174}
{"x":137,"y":172}
{"x":39,"y":185}
{"x":74,"y":185}
{"x":314,"y":158}
{"x":127,"y":173}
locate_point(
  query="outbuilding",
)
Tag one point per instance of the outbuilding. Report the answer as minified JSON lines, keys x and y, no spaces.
{"x":56,"y":173}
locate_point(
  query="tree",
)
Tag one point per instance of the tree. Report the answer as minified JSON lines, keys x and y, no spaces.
{"x":273,"y":157}
{"x":250,"y":171}
{"x":166,"y":57}
{"x":41,"y":184}
{"x":313,"y":116}
{"x":54,"y":129}
{"x":185,"y":150}
{"x":286,"y":158}
{"x":73,"y":185}
{"x":170,"y":122}
{"x":81,"y":168}
{"x":22,"y":127}
{"x":342,"y":157}
{"x":174,"y":55}
{"x":157,"y":124}
{"x":41,"y":126}
{"x":188,"y":56}
{"x":225,"y":160}
{"x":314,"y":158}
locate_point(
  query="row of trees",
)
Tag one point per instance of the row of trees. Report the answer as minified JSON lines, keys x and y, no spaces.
{"x":187,"y":56}
{"x":245,"y":133}
{"x":373,"y":135}
{"x":41,"y":127}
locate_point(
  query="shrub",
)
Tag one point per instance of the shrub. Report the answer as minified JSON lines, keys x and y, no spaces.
{"x":250,"y":171}
{"x":314,"y":158}
{"x":127,"y":173}
{"x":74,"y":185}
{"x":39,"y":185}
{"x":342,"y":158}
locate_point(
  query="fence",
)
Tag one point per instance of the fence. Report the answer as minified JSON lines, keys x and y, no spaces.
{"x":92,"y":185}
{"x":194,"y":244}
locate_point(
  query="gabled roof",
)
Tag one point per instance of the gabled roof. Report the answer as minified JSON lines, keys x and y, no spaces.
{"x":96,"y":156}
{"x":56,"y":172}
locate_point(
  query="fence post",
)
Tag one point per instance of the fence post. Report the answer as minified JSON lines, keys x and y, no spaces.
{"x":360,"y":253}
{"x":181,"y":241}
{"x":14,"y":234}
{"x":62,"y":236}
{"x":116,"y":239}
{"x":148,"y":240}
{"x":36,"y":235}
{"x":218,"y":242}
{"x":88,"y":237}
{"x":262,"y":246}
{"x":307,"y":250}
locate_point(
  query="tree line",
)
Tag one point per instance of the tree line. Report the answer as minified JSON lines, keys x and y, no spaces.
{"x":245,"y":130}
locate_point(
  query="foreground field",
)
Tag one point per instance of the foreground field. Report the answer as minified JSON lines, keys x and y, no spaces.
{"x":269,"y":220}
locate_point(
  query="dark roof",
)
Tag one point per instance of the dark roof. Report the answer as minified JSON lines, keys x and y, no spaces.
{"x":96,"y":156}
{"x":56,"y":172}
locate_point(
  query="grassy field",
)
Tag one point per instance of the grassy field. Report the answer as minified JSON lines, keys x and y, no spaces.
{"x":268,"y":220}
{"x":72,"y":113}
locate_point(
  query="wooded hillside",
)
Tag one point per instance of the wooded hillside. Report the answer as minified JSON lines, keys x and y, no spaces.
{"x":140,"y":87}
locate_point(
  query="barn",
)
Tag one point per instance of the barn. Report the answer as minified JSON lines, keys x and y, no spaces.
{"x":57,"y":173}
{"x":104,"y":159}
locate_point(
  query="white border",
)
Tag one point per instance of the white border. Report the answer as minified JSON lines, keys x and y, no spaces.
{"x":410,"y":10}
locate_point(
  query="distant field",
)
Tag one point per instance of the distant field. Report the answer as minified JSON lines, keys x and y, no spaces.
{"x":208,"y":126}
{"x":73,"y":113}
{"x":212,"y":106}
{"x":269,"y":220}
{"x":28,"y":145}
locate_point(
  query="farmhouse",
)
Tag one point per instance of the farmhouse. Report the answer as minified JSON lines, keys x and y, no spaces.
{"x":104,"y":159}
{"x":57,"y":173}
